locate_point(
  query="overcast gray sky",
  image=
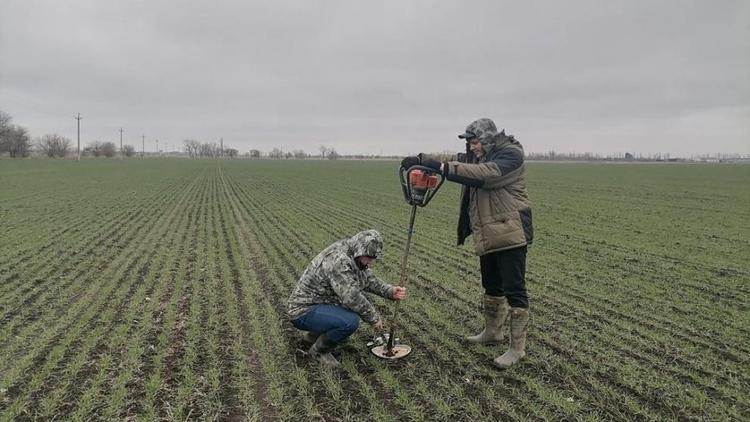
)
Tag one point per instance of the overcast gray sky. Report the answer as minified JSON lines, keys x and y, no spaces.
{"x":391,"y":77}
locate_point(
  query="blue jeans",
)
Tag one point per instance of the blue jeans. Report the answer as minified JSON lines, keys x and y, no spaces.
{"x":335,"y":321}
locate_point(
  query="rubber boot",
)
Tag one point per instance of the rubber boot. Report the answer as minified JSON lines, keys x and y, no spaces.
{"x":309,"y":336}
{"x":321,"y":350}
{"x":519,"y":326}
{"x":495,"y":313}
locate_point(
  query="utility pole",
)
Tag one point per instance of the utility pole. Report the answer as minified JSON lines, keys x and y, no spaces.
{"x":222,"y":146}
{"x":79,"y":135}
{"x":121,"y":143}
{"x":143,"y":146}
{"x":157,"y":148}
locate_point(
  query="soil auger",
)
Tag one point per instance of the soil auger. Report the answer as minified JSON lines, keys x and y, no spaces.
{"x":419,"y":185}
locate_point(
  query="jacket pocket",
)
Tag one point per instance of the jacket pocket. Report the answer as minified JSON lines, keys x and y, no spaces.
{"x":506,"y":231}
{"x":495,"y":209}
{"x":528,"y":227}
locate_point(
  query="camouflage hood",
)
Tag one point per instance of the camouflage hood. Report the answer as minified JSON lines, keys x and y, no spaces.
{"x":482,"y":129}
{"x":366,"y":243}
{"x":498,"y":141}
{"x":485,"y":131}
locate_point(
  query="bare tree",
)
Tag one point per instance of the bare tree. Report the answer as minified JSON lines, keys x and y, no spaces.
{"x":5,"y":130}
{"x":231,"y":152}
{"x":210,"y":150}
{"x":5,"y":120}
{"x":299,"y":154}
{"x":276,"y":154}
{"x":254,"y":153}
{"x":45,"y":145}
{"x":94,"y":148}
{"x":128,"y":150}
{"x":109,"y":149}
{"x":332,"y":154}
{"x":205,"y":150}
{"x":16,"y":141}
{"x":196,"y":147}
{"x":192,"y":147}
{"x":323,"y":151}
{"x":54,"y":145}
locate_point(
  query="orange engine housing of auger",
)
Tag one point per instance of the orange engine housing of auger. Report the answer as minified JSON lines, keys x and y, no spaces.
{"x":421,"y":183}
{"x":419,"y":180}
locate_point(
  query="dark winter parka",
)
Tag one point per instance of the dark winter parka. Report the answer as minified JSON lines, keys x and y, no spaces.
{"x":495,"y":207}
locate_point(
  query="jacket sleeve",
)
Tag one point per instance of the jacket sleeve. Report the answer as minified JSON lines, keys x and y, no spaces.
{"x":503,"y":168}
{"x":342,"y":279}
{"x":377,"y":286}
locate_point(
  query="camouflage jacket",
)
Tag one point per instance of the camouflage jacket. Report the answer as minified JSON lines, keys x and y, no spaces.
{"x":335,"y":277}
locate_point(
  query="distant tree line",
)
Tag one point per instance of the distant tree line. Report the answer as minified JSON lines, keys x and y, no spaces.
{"x":197,"y":149}
{"x":625,"y":156}
{"x":100,"y":149}
{"x":295,"y":154}
{"x":16,"y":142}
{"x":53,"y":145}
{"x":630,"y":156}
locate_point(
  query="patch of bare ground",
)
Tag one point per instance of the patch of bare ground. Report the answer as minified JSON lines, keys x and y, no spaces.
{"x":232,"y":407}
{"x":175,"y":351}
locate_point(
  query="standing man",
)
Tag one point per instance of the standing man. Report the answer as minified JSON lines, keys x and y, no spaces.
{"x":329,"y":299}
{"x":496,"y":211}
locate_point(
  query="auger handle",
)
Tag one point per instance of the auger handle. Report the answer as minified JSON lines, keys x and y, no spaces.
{"x":408,"y":190}
{"x":405,"y":176}
{"x":404,"y":276}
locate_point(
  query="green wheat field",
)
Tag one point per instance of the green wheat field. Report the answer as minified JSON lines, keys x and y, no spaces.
{"x":156,"y":290}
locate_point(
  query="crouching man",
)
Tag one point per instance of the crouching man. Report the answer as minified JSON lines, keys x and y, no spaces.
{"x":329,"y":299}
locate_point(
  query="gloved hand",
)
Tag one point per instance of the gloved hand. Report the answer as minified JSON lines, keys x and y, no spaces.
{"x":409,"y":162}
{"x":429,"y":162}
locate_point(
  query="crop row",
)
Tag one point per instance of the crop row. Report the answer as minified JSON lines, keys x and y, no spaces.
{"x":625,"y":350}
{"x":74,"y":342}
{"x":167,"y":301}
{"x":284,"y":266}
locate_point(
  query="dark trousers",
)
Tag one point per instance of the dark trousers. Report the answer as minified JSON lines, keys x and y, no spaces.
{"x":504,"y":274}
{"x":336,"y":322}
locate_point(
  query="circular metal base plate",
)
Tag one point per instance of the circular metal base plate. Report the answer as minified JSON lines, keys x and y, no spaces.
{"x":399,"y":351}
